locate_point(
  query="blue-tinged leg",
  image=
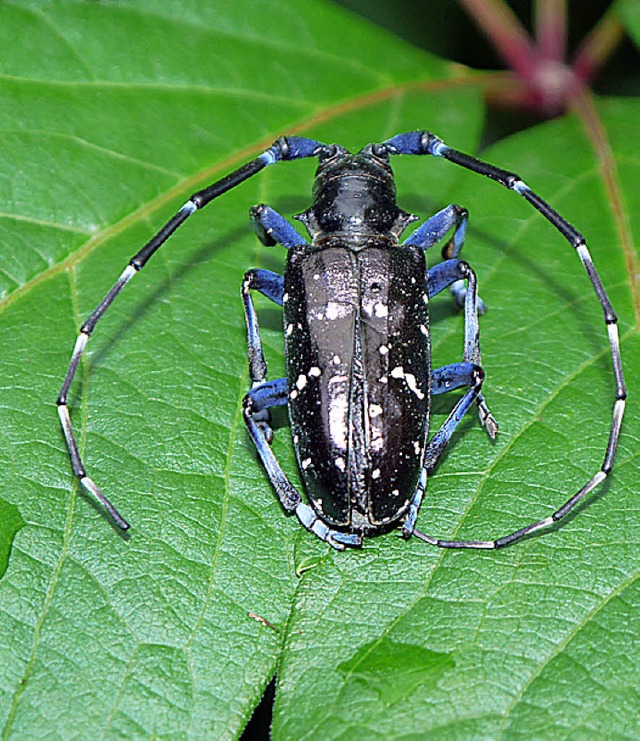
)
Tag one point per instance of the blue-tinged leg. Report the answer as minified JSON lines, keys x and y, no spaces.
{"x":438,"y":278}
{"x":272,"y":228}
{"x":266,"y":282}
{"x":443,"y":275}
{"x":435,"y":228}
{"x":271,"y":285}
{"x":449,"y":377}
{"x":444,"y":379}
{"x":257,"y":402}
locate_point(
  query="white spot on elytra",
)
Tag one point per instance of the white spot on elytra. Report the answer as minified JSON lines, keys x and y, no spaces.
{"x":301,"y":382}
{"x":293,"y":394}
{"x":375,"y":474}
{"x":339,"y":415}
{"x":285,"y":298}
{"x":383,"y":349}
{"x":296,"y":439}
{"x":381,"y":310}
{"x":332,"y":311}
{"x":410,"y":379}
{"x":289,"y":330}
{"x":336,"y":360}
{"x":375,"y":410}
{"x":338,"y":380}
{"x":383,"y":379}
{"x":424,"y":330}
{"x":416,"y":447}
{"x":314,"y":372}
{"x":396,"y":493}
{"x":340,"y":463}
{"x":306,"y":463}
{"x":412,"y":384}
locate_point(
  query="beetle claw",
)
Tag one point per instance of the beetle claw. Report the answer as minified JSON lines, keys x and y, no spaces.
{"x":487,"y":420}
{"x":263,"y":420}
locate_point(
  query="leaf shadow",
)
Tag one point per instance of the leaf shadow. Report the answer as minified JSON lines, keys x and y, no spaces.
{"x":137,"y":311}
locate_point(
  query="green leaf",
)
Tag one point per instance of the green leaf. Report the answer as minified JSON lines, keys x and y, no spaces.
{"x":629,"y":12}
{"x":111,"y":115}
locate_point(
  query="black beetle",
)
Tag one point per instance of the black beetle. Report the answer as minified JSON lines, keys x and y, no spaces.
{"x":359,"y":377}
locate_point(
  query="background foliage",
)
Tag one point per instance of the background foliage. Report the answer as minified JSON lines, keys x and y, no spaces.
{"x":125,"y":109}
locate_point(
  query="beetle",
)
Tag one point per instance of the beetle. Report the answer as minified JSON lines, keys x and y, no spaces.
{"x":359,"y":377}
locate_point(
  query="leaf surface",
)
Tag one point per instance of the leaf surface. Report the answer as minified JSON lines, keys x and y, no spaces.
{"x":124,"y":111}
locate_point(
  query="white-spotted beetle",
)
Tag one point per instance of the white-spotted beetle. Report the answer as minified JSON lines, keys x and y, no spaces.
{"x":359,"y":378}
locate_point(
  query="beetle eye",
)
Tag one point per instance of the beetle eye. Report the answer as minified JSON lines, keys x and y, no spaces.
{"x":377,"y":152}
{"x":380,"y":151}
{"x":329,"y":153}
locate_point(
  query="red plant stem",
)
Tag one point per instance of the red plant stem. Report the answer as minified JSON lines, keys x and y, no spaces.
{"x":551,"y":29}
{"x":583,"y":104}
{"x":597,"y":47}
{"x":498,"y":22}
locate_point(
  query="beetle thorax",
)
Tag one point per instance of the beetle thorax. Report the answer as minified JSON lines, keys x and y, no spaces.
{"x":354,"y":195}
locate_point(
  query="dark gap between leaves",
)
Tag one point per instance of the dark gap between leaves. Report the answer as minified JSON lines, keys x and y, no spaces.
{"x":259,"y":726}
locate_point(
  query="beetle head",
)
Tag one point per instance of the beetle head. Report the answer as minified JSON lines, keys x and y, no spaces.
{"x":354,"y":194}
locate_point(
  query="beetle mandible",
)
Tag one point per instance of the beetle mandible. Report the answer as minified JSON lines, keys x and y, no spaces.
{"x":359,"y":378}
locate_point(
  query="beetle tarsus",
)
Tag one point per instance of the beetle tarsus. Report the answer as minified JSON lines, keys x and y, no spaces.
{"x":487,"y":420}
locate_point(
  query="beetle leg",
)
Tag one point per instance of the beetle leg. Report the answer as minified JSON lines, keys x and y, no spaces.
{"x":271,"y":285}
{"x":259,"y":399}
{"x":438,"y":278}
{"x":272,"y":228}
{"x":450,"y":377}
{"x":444,"y":379}
{"x":433,"y":230}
